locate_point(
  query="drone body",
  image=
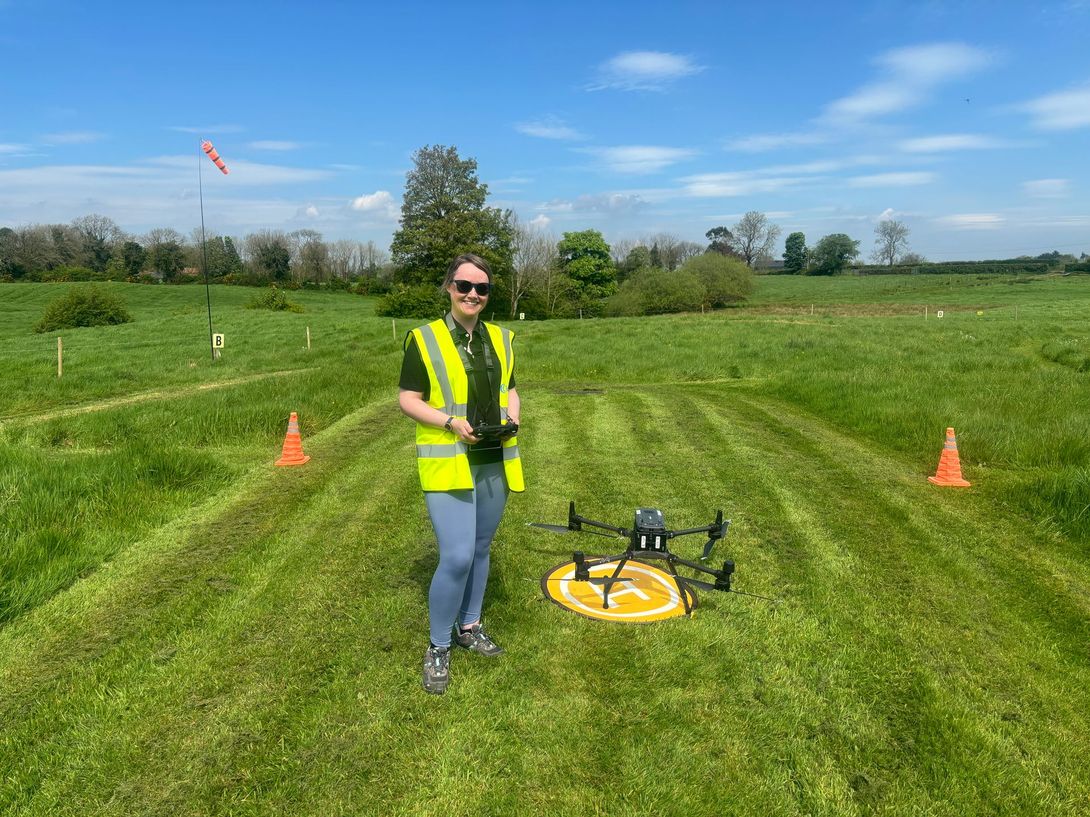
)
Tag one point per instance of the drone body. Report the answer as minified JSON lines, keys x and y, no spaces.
{"x":648,"y":541}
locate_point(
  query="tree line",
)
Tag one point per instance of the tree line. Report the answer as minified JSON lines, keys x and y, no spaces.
{"x":445,"y":213}
{"x":93,"y":247}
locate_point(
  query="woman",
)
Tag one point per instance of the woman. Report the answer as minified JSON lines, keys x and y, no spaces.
{"x":457,"y":376}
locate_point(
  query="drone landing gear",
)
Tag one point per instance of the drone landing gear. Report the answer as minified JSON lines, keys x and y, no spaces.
{"x":583,"y":566}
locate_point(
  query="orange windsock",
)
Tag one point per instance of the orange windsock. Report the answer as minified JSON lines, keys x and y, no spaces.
{"x":292,"y":453}
{"x":206,"y":146}
{"x":949,"y":470}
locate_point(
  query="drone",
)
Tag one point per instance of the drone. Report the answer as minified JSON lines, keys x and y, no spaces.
{"x":647,"y":542}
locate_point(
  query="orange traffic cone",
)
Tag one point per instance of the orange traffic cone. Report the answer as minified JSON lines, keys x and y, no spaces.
{"x":292,"y":453}
{"x":949,"y":470}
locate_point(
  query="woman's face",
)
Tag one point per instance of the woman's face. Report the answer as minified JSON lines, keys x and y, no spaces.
{"x":469,"y":305}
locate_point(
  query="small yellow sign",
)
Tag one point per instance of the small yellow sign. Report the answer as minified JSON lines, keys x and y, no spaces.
{"x":650,"y":595}
{"x":217,"y":341}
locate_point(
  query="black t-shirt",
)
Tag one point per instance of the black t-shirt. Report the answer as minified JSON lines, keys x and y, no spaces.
{"x":414,"y":377}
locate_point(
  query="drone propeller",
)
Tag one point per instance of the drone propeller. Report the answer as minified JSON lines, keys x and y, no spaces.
{"x":552,"y":528}
{"x":603,"y":580}
{"x":566,"y":529}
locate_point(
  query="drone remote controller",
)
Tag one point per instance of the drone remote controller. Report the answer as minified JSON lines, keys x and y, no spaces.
{"x":502,"y":431}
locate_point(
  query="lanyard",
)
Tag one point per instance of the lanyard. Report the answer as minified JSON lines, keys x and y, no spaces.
{"x":467,"y":364}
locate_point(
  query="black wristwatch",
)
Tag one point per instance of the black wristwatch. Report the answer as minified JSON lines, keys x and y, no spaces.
{"x":446,"y":425}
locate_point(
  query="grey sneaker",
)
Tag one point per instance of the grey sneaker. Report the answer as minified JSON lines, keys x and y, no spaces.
{"x":476,"y":640}
{"x":436,"y":670}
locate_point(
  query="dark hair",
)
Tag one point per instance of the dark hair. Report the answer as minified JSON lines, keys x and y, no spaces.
{"x":466,"y":258}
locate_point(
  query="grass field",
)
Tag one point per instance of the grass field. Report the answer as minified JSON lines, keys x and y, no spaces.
{"x":186,"y":629}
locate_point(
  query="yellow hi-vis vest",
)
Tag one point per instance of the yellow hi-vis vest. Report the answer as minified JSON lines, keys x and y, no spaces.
{"x":441,"y":454}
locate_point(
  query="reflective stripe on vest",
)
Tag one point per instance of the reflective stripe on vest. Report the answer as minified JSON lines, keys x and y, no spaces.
{"x":441,"y":456}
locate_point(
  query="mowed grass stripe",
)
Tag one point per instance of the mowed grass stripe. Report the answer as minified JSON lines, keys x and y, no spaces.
{"x":963,"y":654}
{"x":100,"y":609}
{"x":666,"y":691}
{"x":250,"y":631}
{"x":142,"y":397}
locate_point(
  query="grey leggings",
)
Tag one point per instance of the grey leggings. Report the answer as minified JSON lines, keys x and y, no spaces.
{"x":464,"y":523}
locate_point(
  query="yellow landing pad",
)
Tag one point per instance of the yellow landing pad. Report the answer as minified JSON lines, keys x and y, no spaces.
{"x":651,"y":596}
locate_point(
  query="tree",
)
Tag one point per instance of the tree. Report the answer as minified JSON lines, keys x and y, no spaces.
{"x":753,"y":237}
{"x":726,"y":280}
{"x":269,"y":254}
{"x":534,"y":256}
{"x":890,"y":241}
{"x":168,"y":259}
{"x":314,"y":258}
{"x":222,"y":257}
{"x":638,"y":258}
{"x":669,"y":251}
{"x":794,"y":253}
{"x":443,"y":215}
{"x":99,"y":235}
{"x":128,"y":260}
{"x":274,"y":261}
{"x":720,"y":240}
{"x":8,"y":243}
{"x":833,"y":253}
{"x":584,"y":257}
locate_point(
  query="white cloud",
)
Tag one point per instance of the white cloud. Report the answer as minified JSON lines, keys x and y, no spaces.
{"x":138,"y":197}
{"x":378,"y":205}
{"x":1061,"y":110}
{"x":640,"y":158}
{"x":703,"y":185}
{"x":910,"y":75}
{"x":1047,"y":188}
{"x":244,"y":173}
{"x":207,"y":129}
{"x":907,"y":179}
{"x":933,"y":63}
{"x":378,"y":200}
{"x":73,"y":138}
{"x":769,"y":179}
{"x":12,"y":149}
{"x":549,"y":128}
{"x":311,"y":211}
{"x":601,"y":203}
{"x":272,"y":144}
{"x":540,"y":221}
{"x":973,"y":221}
{"x":887,"y":214}
{"x":950,"y":141}
{"x":761,"y":142}
{"x":643,"y":71}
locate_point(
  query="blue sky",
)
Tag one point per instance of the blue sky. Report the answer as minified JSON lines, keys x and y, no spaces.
{"x":967,"y":121}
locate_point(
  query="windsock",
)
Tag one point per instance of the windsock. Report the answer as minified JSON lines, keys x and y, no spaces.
{"x":206,"y":146}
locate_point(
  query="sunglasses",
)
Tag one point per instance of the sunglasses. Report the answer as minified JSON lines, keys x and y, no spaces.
{"x":464,"y":287}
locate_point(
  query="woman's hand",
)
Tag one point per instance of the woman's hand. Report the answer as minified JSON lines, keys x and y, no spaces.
{"x":464,"y":431}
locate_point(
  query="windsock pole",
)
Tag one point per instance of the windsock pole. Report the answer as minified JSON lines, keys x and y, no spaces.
{"x":204,"y":253}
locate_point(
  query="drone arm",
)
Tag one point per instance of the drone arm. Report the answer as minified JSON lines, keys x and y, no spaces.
{"x":576,"y":522}
{"x":716,"y":530}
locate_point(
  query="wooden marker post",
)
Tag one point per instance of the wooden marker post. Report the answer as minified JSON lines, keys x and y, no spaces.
{"x":60,"y":357}
{"x":308,"y":338}
{"x":393,"y":328}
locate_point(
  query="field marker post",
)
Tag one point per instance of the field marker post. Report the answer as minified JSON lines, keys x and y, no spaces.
{"x":308,"y":338}
{"x":811,"y":310}
{"x":393,"y":326}
{"x":60,"y":356}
